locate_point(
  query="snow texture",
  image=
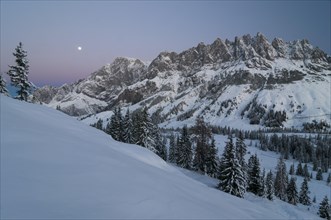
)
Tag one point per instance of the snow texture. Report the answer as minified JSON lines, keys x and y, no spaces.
{"x":53,"y":166}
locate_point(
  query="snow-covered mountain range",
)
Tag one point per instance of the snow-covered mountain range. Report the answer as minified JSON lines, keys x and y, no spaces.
{"x":241,"y":83}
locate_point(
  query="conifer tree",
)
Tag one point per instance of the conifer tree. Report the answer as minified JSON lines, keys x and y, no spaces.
{"x":3,"y":88}
{"x":99,"y":123}
{"x":254,"y":175}
{"x":115,"y":128}
{"x":241,"y":149}
{"x":329,"y":179}
{"x":146,"y":137}
{"x":291,"y":171}
{"x":19,"y":73}
{"x":211,"y":160}
{"x":136,"y":127}
{"x":160,"y":143}
{"x":292,"y":192}
{"x":262,"y":190}
{"x":324,"y":209}
{"x":304,"y":193}
{"x":172,"y":149}
{"x":319,"y":175}
{"x":306,"y":172}
{"x":161,"y":146}
{"x":202,"y":135}
{"x":232,"y":179}
{"x":127,"y":128}
{"x":281,"y":180}
{"x":184,"y":149}
{"x":270,"y":186}
{"x":299,"y":170}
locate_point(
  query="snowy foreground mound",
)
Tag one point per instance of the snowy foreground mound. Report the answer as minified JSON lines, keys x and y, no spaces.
{"x":53,"y":166}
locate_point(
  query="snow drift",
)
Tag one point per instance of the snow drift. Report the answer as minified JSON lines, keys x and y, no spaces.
{"x":53,"y":166}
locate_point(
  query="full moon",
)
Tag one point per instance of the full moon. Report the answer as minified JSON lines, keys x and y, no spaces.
{"x":79,"y":48}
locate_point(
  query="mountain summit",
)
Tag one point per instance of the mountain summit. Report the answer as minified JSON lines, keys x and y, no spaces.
{"x":246,"y":82}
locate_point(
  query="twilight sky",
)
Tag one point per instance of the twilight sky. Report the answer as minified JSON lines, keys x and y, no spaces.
{"x":51,"y":31}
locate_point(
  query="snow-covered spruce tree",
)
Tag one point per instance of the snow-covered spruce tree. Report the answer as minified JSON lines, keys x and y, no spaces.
{"x":115,"y":128}
{"x":306,"y":172}
{"x":281,"y":180}
{"x":232,"y":179}
{"x":202,"y":136}
{"x":270,"y":186}
{"x":136,"y":127}
{"x":241,"y":149}
{"x":184,"y":149}
{"x":19,"y":73}
{"x":319,"y":175}
{"x":177,"y":153}
{"x":304,"y":193}
{"x":324,"y":210}
{"x":172,"y":149}
{"x":254,"y":175}
{"x":291,"y":171}
{"x":299,"y":170}
{"x":263,"y":184}
{"x":127,"y":128}
{"x":160,"y":143}
{"x":3,"y":88}
{"x":211,"y":160}
{"x":146,"y":134}
{"x":292,"y":192}
{"x":98,"y":124}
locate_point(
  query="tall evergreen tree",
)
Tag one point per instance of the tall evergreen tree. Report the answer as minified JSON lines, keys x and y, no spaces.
{"x":291,"y":171}
{"x":19,"y":73}
{"x":3,"y":88}
{"x":319,"y":175}
{"x":211,"y":160}
{"x":160,"y":143}
{"x":328,"y":181}
{"x":306,"y":172}
{"x":146,"y":137}
{"x":98,"y":124}
{"x":292,"y":192}
{"x":324,"y":210}
{"x":232,"y":179}
{"x":127,"y":128}
{"x":299,"y":170}
{"x":202,"y":135}
{"x":115,"y":128}
{"x":304,"y":193}
{"x":262,"y":190}
{"x":254,"y":175}
{"x":241,"y":149}
{"x":172,"y":149}
{"x":270,"y":186}
{"x":281,"y":180}
{"x":184,"y":149}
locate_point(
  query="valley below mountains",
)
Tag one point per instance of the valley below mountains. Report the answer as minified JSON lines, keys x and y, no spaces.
{"x":247,"y":83}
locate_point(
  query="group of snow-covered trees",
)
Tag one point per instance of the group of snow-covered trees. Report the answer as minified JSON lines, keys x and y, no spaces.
{"x":135,"y":128}
{"x":196,"y":151}
{"x":314,"y":149}
{"x":18,"y":75}
{"x":235,"y":174}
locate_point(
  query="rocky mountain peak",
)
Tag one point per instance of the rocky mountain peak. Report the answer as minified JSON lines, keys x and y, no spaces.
{"x":202,"y":73}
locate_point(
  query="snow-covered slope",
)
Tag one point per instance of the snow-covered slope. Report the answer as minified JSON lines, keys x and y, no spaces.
{"x":240,"y":83}
{"x":53,"y":166}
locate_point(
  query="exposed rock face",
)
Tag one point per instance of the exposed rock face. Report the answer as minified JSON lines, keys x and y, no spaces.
{"x":218,"y":81}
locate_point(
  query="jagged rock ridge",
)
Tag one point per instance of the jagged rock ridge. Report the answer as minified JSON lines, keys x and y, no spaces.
{"x":247,"y":80}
